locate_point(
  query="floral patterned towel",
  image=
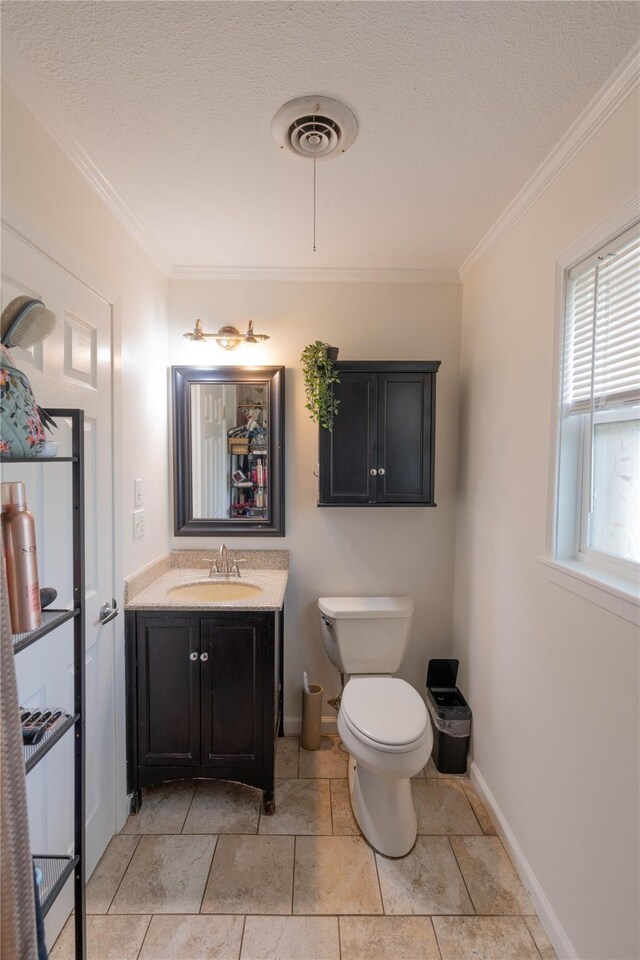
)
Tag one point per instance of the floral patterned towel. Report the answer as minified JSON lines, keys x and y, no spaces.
{"x":21,"y":430}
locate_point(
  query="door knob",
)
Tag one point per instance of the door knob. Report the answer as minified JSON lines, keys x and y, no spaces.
{"x":109,"y":611}
{"x":193,"y":656}
{"x":204,"y":657}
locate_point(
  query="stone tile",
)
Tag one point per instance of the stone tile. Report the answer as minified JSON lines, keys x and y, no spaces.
{"x":290,"y":938}
{"x":420,"y":775}
{"x":335,"y":875}
{"x":250,"y":875}
{"x":329,"y":760}
{"x":484,"y":938}
{"x":220,"y":806}
{"x":493,"y":884}
{"x":108,"y":938}
{"x":479,"y":809}
{"x":287,"y":756}
{"x":163,"y":808}
{"x":388,"y":938}
{"x":109,"y":872}
{"x":166,"y":875}
{"x":302,"y":807}
{"x":193,"y":938}
{"x":541,"y":940}
{"x":442,"y":808}
{"x":426,"y":881}
{"x":344,"y":822}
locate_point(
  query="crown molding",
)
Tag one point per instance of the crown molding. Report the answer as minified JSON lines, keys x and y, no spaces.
{"x":619,"y":85}
{"x":21,"y":79}
{"x":316,"y":274}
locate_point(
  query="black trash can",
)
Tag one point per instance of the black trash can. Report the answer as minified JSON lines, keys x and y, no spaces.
{"x":450,"y":717}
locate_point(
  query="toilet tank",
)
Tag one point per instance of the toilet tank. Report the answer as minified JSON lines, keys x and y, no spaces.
{"x":366,"y":634}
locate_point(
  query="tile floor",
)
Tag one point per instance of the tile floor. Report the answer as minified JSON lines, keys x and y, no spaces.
{"x":201,"y":874}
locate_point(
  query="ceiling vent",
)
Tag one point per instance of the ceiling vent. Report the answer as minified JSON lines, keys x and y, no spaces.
{"x":317,"y":127}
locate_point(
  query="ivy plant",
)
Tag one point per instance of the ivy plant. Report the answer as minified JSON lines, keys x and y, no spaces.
{"x":319,"y":375}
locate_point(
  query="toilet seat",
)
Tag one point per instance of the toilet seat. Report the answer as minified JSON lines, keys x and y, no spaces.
{"x":384,"y":712}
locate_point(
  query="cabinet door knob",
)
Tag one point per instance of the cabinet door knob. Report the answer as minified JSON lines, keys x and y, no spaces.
{"x":204,"y":657}
{"x":373,"y":472}
{"x":193,"y":656}
{"x":381,"y":472}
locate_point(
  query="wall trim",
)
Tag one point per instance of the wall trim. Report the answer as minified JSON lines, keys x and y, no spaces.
{"x":21,"y":79}
{"x":549,"y":919}
{"x":619,"y":85}
{"x":293,"y":725}
{"x":313,"y":274}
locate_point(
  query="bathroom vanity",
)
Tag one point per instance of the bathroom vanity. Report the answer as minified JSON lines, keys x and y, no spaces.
{"x":204,"y":679}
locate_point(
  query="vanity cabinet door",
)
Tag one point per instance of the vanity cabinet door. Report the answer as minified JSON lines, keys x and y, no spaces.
{"x":232,"y":691}
{"x":168,"y":676}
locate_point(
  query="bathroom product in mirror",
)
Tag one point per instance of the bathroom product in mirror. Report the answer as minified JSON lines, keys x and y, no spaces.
{"x":21,"y":559}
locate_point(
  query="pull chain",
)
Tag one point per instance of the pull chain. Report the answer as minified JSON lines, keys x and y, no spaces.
{"x":314,"y":201}
{"x":315,"y":147}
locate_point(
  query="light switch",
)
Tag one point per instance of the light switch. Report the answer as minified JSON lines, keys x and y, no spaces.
{"x":137,"y":494}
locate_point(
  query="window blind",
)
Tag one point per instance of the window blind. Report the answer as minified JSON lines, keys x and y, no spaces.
{"x":602,"y":348}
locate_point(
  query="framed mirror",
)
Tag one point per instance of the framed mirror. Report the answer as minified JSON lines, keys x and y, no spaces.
{"x":228,"y":447}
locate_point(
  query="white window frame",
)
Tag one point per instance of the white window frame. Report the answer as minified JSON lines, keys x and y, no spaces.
{"x":605,"y":581}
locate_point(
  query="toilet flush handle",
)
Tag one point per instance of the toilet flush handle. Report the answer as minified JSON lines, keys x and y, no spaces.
{"x":326,"y":620}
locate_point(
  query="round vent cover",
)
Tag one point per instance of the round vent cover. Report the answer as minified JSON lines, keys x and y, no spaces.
{"x":314,"y":126}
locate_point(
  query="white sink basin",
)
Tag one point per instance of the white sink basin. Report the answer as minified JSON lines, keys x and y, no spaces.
{"x":211,"y":591}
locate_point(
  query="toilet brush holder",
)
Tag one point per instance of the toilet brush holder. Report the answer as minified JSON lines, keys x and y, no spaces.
{"x":311,"y":716}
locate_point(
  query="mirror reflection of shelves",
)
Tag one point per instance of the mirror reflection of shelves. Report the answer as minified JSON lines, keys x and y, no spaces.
{"x":248,"y":483}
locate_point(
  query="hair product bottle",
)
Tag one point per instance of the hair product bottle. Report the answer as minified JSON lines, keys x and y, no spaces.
{"x":21,"y":559}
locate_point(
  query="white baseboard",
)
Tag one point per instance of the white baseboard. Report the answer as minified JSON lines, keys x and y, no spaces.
{"x":293,"y":725}
{"x":554,"y":929}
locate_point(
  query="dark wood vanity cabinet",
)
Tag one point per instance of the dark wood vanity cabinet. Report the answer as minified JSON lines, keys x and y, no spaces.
{"x":202,"y":698}
{"x":381,"y":450}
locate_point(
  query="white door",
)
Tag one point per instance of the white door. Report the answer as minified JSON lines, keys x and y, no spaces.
{"x":71,"y":369}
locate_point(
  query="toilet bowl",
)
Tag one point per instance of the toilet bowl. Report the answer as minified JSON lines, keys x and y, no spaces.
{"x":384,"y":725}
{"x":383,"y":721}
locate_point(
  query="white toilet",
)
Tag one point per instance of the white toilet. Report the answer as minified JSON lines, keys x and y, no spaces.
{"x":383,"y":721}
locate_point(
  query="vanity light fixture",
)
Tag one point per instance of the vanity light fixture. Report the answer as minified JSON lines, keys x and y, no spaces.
{"x":227,"y":337}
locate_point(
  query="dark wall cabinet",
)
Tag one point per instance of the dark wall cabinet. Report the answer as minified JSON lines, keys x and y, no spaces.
{"x":381,"y":450}
{"x":202,"y":698}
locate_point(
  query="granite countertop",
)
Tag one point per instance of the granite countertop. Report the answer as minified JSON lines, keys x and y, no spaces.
{"x":155,"y":595}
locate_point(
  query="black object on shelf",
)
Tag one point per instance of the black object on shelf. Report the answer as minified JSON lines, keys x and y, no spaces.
{"x":56,"y":870}
{"x":450,"y":717}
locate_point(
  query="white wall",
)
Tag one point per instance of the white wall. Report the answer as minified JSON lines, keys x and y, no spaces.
{"x":552,"y":678}
{"x":337,"y":550}
{"x":45,"y":198}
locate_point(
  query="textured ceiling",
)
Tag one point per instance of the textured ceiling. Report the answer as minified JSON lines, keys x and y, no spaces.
{"x":457,"y":105}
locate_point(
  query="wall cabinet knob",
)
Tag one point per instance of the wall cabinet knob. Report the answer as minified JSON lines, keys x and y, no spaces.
{"x":204,"y":657}
{"x":373,"y":472}
{"x":381,"y":472}
{"x":193,"y":656}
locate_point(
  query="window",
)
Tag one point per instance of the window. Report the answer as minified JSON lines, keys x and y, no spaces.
{"x":598,"y":496}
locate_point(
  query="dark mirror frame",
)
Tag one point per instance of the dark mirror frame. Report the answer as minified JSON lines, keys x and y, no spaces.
{"x":184,"y":523}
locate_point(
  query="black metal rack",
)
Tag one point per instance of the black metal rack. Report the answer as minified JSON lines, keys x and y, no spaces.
{"x":56,"y":870}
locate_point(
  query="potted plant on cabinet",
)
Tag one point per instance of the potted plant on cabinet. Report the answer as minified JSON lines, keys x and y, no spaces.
{"x":319,"y":374}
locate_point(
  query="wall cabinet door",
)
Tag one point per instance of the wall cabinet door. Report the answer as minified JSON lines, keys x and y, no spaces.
{"x":232,"y":682}
{"x":168,"y":652}
{"x":381,"y":449}
{"x":348,"y":452}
